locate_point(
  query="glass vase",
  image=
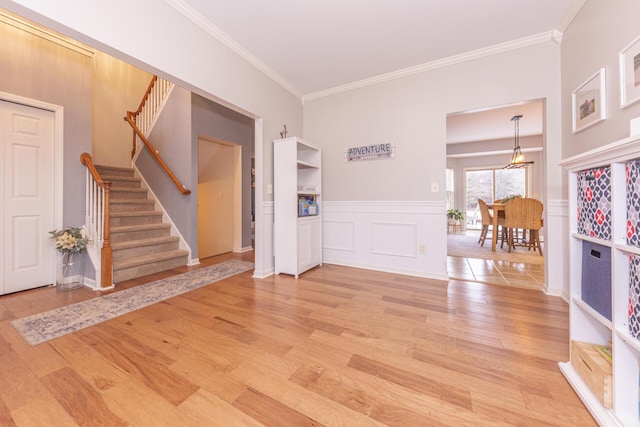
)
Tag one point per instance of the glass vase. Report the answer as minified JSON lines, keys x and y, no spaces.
{"x":70,"y":272}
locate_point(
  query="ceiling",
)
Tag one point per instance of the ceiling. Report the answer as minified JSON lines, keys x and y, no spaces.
{"x":318,"y":45}
{"x":495,"y":123}
{"x":312,"y":47}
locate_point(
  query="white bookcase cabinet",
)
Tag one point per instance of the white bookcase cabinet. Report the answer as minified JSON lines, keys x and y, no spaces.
{"x":588,"y":324}
{"x":297,"y":170}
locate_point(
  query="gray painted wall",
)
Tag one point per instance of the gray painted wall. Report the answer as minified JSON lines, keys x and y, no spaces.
{"x":171,"y":137}
{"x":593,"y":40}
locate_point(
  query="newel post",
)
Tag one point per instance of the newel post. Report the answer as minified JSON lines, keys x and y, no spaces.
{"x":106,"y":251}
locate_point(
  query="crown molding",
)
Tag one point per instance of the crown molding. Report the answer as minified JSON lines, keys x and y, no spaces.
{"x":456,"y":59}
{"x":203,"y":23}
{"x":569,"y":15}
{"x":45,"y":34}
{"x":231,"y":43}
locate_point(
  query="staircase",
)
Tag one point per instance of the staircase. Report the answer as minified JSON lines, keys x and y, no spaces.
{"x":141,"y":242}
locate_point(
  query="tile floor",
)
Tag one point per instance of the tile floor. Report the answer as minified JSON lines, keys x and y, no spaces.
{"x":505,"y":273}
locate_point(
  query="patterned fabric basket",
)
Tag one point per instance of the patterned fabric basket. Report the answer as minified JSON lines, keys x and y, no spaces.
{"x":634,"y":296}
{"x":632,"y":169}
{"x":594,"y":203}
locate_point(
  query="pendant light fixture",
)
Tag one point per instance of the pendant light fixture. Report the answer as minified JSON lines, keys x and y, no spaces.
{"x":517,"y":158}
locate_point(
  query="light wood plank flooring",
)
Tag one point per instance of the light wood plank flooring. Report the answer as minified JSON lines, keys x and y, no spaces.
{"x":337,"y":347}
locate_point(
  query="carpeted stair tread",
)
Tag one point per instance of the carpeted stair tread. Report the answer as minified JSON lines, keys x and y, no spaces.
{"x":116,"y":191}
{"x":131,"y":200}
{"x":141,"y":227}
{"x":122,"y":181}
{"x":115,"y":170}
{"x":148,"y":259}
{"x":132,"y":205}
{"x":136,"y":213}
{"x":144,"y":242}
{"x":123,"y":233}
{"x":120,"y":178}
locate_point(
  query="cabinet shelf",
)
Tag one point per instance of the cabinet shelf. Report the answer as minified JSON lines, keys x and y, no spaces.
{"x":629,"y":339}
{"x":582,"y":237}
{"x":297,"y":206}
{"x":631,"y":250}
{"x":306,"y":165}
{"x":600,"y":183}
{"x":593,"y":313}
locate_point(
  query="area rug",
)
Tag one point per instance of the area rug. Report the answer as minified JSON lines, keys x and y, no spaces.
{"x":466,"y":245}
{"x":51,"y":324}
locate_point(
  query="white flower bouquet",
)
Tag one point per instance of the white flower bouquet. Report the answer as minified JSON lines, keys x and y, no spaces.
{"x":70,"y":239}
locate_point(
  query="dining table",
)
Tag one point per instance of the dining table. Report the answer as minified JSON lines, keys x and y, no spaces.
{"x":496,"y":208}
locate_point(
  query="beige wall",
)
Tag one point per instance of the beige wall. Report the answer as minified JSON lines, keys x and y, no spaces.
{"x":117,"y":87}
{"x":411,"y":112}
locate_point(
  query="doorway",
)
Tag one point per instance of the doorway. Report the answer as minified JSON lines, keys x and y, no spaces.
{"x":479,"y":144}
{"x":27,"y":193}
{"x":219,"y":197}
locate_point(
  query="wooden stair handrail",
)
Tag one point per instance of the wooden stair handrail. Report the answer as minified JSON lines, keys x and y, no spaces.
{"x":85,"y":159}
{"x":136,"y":113}
{"x":130,"y":118}
{"x":146,"y":95}
{"x":106,"y":252}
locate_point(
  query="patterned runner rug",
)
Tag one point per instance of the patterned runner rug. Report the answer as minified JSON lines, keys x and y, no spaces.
{"x":51,"y":324}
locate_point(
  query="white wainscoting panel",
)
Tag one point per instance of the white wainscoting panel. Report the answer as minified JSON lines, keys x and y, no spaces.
{"x":556,"y":248}
{"x":343,"y":236}
{"x":265,"y":266}
{"x":394,"y":239}
{"x":400,"y":237}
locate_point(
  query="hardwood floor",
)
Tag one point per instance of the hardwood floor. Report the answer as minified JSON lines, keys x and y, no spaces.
{"x":337,"y":347}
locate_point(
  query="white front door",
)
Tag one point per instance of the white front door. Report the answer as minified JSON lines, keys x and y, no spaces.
{"x":27,"y":257}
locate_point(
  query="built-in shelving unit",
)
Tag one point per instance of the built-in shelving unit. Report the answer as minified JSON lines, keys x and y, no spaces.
{"x":611,"y":231}
{"x":297,"y":169}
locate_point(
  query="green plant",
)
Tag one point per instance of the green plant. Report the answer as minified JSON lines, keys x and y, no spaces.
{"x":455,"y":214}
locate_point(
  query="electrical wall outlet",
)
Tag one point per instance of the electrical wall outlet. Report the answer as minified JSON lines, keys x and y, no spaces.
{"x":422,"y":249}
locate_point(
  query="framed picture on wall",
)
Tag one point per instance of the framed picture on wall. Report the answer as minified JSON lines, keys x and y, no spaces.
{"x":630,"y":73}
{"x":589,"y":102}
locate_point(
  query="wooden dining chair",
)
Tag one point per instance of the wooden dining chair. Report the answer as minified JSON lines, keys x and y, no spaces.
{"x":487,"y":220}
{"x":524,"y":214}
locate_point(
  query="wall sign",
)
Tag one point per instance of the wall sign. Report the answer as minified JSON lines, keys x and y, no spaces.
{"x":370,"y":152}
